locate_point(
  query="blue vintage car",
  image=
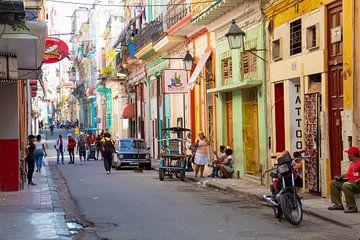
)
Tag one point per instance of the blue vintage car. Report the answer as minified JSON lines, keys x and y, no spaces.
{"x":132,"y":152}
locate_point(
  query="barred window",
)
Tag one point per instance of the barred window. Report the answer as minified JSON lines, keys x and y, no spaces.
{"x":295,"y":37}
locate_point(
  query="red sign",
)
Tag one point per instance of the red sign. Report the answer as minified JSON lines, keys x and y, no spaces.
{"x":55,"y":50}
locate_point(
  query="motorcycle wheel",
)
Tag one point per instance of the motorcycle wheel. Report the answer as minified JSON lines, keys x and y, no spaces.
{"x":161,"y":174}
{"x":292,"y":214}
{"x":277,"y":212}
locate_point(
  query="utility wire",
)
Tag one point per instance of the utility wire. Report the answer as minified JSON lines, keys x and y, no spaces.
{"x":129,"y":5}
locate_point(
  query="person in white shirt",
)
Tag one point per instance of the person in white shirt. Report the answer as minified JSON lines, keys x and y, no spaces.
{"x":40,"y":152}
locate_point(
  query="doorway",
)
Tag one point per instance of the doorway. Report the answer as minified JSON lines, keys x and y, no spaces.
{"x":335,"y":87}
{"x":251,"y":131}
{"x":229,"y":120}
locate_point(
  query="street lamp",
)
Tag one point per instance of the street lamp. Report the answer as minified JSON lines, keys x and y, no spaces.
{"x":188,"y":61}
{"x":235,"y":36}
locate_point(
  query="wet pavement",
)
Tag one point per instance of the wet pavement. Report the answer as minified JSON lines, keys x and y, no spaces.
{"x":34,"y":213}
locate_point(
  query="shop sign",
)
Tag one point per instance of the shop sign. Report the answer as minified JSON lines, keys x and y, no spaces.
{"x":296,"y":133}
{"x":55,"y":50}
{"x":175,"y":81}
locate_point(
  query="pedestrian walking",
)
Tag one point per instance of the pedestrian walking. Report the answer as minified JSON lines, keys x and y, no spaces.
{"x":98,"y":146}
{"x":40,"y":152}
{"x":189,"y":153}
{"x":81,"y":147}
{"x":59,"y":146}
{"x":108,"y":149}
{"x":77,"y":132}
{"x":30,"y":159}
{"x":71,"y":148}
{"x":201,"y":156}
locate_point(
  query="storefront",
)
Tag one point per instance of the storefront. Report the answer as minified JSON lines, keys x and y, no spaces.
{"x":22,"y":63}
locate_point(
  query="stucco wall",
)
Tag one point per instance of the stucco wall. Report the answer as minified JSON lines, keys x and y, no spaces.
{"x":9,"y":120}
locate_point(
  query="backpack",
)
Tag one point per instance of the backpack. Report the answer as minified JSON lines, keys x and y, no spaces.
{"x":109,"y":147}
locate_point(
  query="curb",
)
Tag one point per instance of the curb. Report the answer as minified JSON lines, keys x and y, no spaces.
{"x":308,"y":210}
{"x":58,"y":209}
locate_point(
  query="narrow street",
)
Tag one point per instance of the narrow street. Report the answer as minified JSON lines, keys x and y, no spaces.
{"x":132,"y":205}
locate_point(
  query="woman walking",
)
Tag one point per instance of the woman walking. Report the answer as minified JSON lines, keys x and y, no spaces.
{"x":40,"y":152}
{"x":108,"y":150}
{"x":201,"y":156}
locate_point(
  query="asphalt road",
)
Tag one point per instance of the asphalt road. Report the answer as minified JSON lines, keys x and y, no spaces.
{"x":130,"y":205}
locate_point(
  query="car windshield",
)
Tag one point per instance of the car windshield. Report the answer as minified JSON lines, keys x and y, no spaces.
{"x":133,"y":144}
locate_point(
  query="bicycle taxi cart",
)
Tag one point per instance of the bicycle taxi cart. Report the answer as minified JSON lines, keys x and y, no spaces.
{"x":173,"y":153}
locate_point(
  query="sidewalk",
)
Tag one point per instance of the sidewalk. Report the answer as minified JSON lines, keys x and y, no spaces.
{"x":33,"y":213}
{"x":313,"y":205}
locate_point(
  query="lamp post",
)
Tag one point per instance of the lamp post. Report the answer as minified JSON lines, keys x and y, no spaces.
{"x":188,"y":61}
{"x":236,"y":37}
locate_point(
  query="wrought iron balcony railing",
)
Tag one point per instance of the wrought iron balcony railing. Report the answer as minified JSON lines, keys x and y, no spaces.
{"x":176,"y":10}
{"x":153,"y":32}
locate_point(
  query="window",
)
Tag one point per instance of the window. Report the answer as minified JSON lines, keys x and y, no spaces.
{"x":277,"y":49}
{"x":312,"y":37}
{"x":227,"y":70}
{"x":249,"y":62}
{"x":295,"y":37}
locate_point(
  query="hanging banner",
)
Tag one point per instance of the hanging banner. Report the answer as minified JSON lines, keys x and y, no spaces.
{"x":55,"y":50}
{"x":175,"y":81}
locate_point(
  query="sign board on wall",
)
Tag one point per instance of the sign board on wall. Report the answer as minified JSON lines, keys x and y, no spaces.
{"x":55,"y":50}
{"x":175,"y":81}
{"x":296,"y":133}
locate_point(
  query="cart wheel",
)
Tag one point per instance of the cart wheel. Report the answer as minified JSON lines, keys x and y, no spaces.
{"x":161,"y":174}
{"x":178,"y":174}
{"x":182,"y":175}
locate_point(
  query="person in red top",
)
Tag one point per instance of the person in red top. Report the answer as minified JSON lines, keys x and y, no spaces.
{"x":348,"y":183}
{"x":71,"y":147}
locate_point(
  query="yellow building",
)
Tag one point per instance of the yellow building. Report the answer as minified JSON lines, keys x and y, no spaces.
{"x":310,"y":82}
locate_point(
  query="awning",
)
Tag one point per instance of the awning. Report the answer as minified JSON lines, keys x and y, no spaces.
{"x":198,"y":69}
{"x":28,"y":44}
{"x":128,"y":111}
{"x":236,"y":86}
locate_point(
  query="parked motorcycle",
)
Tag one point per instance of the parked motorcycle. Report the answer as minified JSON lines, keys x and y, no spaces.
{"x":284,"y":199}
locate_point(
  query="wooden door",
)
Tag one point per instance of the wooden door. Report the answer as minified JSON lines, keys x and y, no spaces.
{"x":229,"y":121}
{"x":251,"y":132}
{"x":335,"y":88}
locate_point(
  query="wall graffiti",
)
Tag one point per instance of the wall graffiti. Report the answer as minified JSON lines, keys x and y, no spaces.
{"x":311,"y":132}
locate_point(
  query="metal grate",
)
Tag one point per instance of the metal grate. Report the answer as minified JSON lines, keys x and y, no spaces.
{"x":295,"y":37}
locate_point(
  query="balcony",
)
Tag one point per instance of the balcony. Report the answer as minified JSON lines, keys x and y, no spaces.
{"x":153,"y":32}
{"x":176,"y":11}
{"x":198,"y":6}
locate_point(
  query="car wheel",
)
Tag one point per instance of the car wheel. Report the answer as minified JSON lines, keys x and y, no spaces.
{"x":148,"y":166}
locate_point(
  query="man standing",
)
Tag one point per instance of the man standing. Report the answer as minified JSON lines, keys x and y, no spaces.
{"x":30,"y":159}
{"x":348,"y":183}
{"x":59,"y":146}
{"x":71,"y":146}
